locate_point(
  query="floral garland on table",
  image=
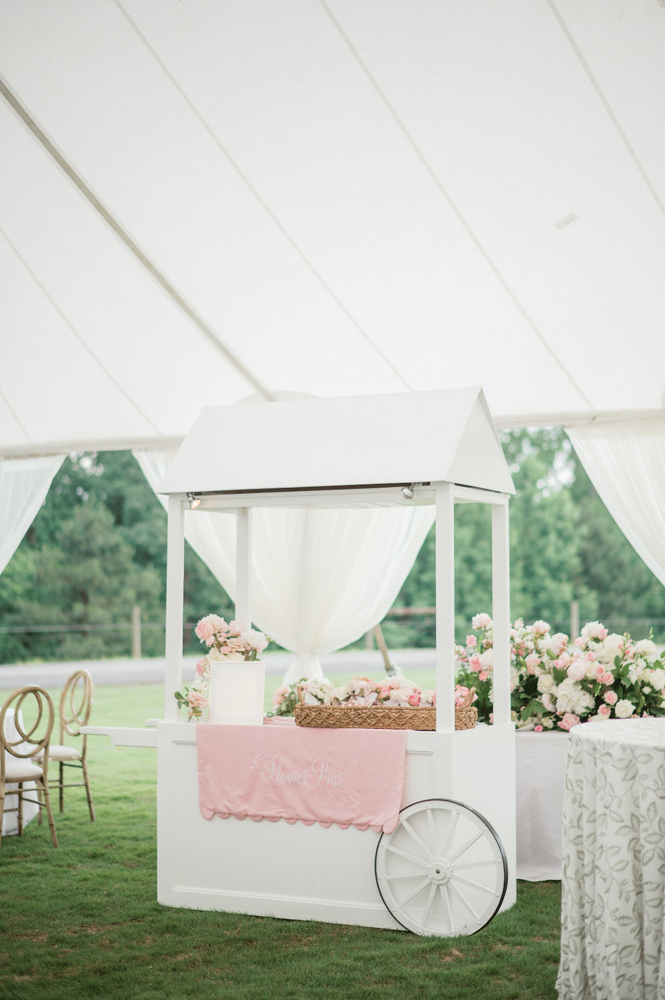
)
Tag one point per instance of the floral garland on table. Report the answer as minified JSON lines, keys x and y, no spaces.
{"x":396,"y":692}
{"x":556,"y":686}
{"x":227,"y":642}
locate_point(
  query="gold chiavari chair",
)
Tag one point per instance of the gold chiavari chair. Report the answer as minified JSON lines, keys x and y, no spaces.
{"x":20,"y":760}
{"x":75,"y":705}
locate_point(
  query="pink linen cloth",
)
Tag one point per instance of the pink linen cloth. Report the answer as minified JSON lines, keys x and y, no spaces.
{"x":351,"y":777}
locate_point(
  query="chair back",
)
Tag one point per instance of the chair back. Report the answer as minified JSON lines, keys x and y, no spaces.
{"x":34,"y":737}
{"x":75,"y":704}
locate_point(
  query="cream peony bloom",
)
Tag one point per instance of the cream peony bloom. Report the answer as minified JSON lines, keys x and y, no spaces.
{"x":545,"y":683}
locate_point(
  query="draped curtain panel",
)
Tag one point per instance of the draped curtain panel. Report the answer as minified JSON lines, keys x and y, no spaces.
{"x":626,"y":463}
{"x":24,"y":483}
{"x":320,"y":578}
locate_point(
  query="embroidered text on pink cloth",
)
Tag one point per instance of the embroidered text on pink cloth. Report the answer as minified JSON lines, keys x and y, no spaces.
{"x":350,"y":777}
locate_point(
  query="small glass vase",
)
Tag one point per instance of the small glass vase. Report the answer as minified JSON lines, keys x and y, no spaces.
{"x":236,"y":692}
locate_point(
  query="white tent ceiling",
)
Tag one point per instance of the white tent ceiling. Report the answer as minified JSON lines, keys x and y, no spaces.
{"x":207,"y":199}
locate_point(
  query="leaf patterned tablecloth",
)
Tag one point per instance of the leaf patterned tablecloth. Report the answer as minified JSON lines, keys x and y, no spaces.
{"x":613,"y":886}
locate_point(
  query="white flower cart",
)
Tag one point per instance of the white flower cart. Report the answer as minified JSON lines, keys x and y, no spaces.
{"x":449,"y":865}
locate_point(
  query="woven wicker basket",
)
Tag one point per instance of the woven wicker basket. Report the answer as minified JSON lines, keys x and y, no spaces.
{"x":379,"y":716}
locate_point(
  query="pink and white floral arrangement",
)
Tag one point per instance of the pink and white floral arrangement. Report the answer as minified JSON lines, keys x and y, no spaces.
{"x":557,"y":685}
{"x":226,"y":642}
{"x":394,"y":692}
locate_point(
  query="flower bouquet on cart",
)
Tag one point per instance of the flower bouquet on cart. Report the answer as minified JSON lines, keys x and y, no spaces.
{"x":361,"y":703}
{"x":230,"y":679}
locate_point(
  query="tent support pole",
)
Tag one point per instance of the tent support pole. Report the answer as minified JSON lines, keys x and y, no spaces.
{"x":445,"y":607}
{"x":501,"y":613}
{"x":175,"y":571}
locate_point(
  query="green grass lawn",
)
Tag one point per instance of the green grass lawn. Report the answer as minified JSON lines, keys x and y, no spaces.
{"x":83,"y":921}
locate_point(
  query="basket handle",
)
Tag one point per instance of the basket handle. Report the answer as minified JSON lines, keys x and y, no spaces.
{"x":468,"y":699}
{"x":301,"y":697}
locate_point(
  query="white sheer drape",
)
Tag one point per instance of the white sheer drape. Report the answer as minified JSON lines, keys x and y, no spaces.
{"x":320,"y":578}
{"x":625,"y":461}
{"x":24,"y":483}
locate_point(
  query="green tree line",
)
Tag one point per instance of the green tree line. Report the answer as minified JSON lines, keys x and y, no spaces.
{"x":98,"y":547}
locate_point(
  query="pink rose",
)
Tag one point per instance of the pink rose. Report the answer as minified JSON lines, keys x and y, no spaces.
{"x":604,"y":710}
{"x":483,"y":675}
{"x":607,"y":679}
{"x":539,"y":628}
{"x":200,"y":667}
{"x":475,"y":664}
{"x":414,"y":699}
{"x":579,"y":641}
{"x":197,"y":699}
{"x":279,"y":696}
{"x":600,"y":672}
{"x":234,"y":628}
{"x":532,"y":661}
{"x":569,"y":720}
{"x":611,"y":697}
{"x":203,"y":629}
{"x":481,"y":621}
{"x":537,"y":729}
{"x":591,"y":656}
{"x":471,"y":640}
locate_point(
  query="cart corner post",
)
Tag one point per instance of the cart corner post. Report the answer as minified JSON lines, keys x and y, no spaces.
{"x":445,"y":607}
{"x":243,"y":602}
{"x":501,"y":611}
{"x":175,"y":568}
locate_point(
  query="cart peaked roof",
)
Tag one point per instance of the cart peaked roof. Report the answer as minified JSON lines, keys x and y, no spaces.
{"x":440,"y":436}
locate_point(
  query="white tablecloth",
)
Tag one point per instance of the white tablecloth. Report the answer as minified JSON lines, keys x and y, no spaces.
{"x":540,"y":763}
{"x":613,"y":891}
{"x":10,"y":820}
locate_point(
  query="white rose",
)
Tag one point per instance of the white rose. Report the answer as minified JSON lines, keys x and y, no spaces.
{"x":548,"y":723}
{"x":657,"y":679}
{"x":646,"y":647}
{"x":610,"y":649}
{"x":255,"y":640}
{"x":594,"y":630}
{"x":545,"y":683}
{"x":576,"y":671}
{"x":623,"y":709}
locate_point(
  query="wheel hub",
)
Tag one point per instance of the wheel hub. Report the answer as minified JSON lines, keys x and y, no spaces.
{"x":440,"y":871}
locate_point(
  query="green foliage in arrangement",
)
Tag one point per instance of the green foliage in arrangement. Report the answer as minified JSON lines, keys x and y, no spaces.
{"x":83,"y":920}
{"x":102,"y":520}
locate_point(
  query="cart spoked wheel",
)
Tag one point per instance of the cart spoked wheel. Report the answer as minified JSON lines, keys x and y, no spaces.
{"x":443,"y":870}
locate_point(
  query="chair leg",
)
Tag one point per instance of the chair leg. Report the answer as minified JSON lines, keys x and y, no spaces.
{"x":62,"y":787}
{"x":49,"y":812}
{"x":86,"y":779}
{"x":20,"y":808}
{"x":2,"y":812}
{"x":38,"y":790}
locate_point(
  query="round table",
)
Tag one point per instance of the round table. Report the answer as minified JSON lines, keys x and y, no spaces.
{"x":613,"y":884}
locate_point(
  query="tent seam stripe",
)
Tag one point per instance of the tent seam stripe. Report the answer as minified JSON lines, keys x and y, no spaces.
{"x":448,"y":198}
{"x":261,"y":201}
{"x":47,"y":295}
{"x":131,"y":245}
{"x":641,"y":169}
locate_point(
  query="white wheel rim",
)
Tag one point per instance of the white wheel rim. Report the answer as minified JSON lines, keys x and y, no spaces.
{"x":442,"y":871}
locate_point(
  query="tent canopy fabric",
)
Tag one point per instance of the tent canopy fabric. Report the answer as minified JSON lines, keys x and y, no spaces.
{"x":203,"y":201}
{"x":412,"y":437}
